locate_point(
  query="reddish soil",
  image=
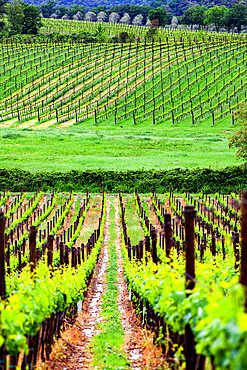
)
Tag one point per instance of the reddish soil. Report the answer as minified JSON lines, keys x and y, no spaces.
{"x":72,"y":351}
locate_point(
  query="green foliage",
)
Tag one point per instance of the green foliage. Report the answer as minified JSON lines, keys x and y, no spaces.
{"x":178,"y":7}
{"x":215,"y":315}
{"x":158,"y":4}
{"x":236,"y":16}
{"x":70,"y":11}
{"x":194,"y":15}
{"x":193,"y":180}
{"x":29,"y":304}
{"x":100,"y":33}
{"x":15,"y":16}
{"x":159,"y":14}
{"x":23,"y":18}
{"x":2,"y":10}
{"x":123,"y":36}
{"x":61,"y":11}
{"x":32,"y":20}
{"x":100,"y":8}
{"x":216,"y":16}
{"x":239,"y":139}
{"x":152,"y":33}
{"x":48,"y":8}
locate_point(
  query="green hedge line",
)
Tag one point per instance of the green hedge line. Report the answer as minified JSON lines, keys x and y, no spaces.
{"x":177,"y":179}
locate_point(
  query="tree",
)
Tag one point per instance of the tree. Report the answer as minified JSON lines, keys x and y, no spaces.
{"x":174,"y":22}
{"x":137,"y":21}
{"x":90,"y":16}
{"x":99,"y":8}
{"x":236,"y":16}
{"x":102,"y":17}
{"x":23,"y":18}
{"x":2,"y":4}
{"x":61,"y":11}
{"x":75,"y":9}
{"x":48,"y":8}
{"x":132,"y":10}
{"x":114,"y":17}
{"x":125,"y":19}
{"x":215,"y":16}
{"x":100,"y":33}
{"x":32,"y":20}
{"x":123,"y":36}
{"x":239,"y":139}
{"x":194,"y":15}
{"x":15,"y":16}
{"x":187,"y":17}
{"x":152,"y":32}
{"x":159,"y":14}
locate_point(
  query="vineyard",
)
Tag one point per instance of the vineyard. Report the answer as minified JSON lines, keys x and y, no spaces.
{"x":183,"y":77}
{"x":144,"y":277}
{"x":182,"y":258}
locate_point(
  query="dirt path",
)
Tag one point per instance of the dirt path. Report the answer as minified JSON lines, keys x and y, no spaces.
{"x":73,"y":349}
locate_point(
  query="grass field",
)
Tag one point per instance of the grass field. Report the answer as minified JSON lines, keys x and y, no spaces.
{"x":116,"y":148}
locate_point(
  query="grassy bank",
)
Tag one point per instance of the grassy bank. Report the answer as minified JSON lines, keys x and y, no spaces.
{"x":109,"y":147}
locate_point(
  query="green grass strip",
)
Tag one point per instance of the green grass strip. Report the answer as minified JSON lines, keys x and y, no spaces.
{"x":106,"y":346}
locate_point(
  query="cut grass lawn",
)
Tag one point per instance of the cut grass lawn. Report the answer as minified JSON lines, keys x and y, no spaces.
{"x":110,"y":147}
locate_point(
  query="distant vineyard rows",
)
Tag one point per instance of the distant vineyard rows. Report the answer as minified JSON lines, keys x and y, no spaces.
{"x":179,"y":78}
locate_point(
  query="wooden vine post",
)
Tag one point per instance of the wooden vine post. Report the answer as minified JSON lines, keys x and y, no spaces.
{"x":147,"y":248}
{"x":243,"y":271}
{"x":235,"y":238}
{"x":2,"y":258}
{"x":32,"y":247}
{"x":50,"y":241}
{"x":189,"y":215}
{"x":168,"y":234}
{"x":61,"y":249}
{"x":153,"y":235}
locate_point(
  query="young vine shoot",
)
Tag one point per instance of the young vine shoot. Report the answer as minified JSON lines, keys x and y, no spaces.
{"x":182,"y":261}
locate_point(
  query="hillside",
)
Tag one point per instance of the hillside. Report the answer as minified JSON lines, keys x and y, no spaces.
{"x":182,"y":77}
{"x":176,"y":7}
{"x":89,"y":3}
{"x":150,"y":105}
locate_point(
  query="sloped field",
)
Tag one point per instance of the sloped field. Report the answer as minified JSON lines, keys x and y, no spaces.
{"x":165,"y":82}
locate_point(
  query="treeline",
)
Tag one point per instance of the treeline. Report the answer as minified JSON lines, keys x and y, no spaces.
{"x":17,"y":17}
{"x":213,"y":18}
{"x":124,"y":13}
{"x":175,"y":7}
{"x":178,"y":179}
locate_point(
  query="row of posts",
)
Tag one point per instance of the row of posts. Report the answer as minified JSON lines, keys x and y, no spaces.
{"x":194,"y":361}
